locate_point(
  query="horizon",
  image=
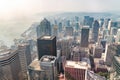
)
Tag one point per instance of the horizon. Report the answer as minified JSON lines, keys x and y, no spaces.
{"x":16,"y":8}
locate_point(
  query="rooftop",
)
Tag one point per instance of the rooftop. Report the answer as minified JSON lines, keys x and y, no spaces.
{"x":74,"y":64}
{"x":46,"y":37}
{"x":6,"y":54}
{"x":48,"y":58}
{"x":35,"y":65}
{"x":86,"y":27}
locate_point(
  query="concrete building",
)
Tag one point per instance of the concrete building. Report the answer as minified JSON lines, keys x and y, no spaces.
{"x":64,"y":44}
{"x":98,"y":50}
{"x":35,"y":71}
{"x":49,"y":65}
{"x":25,"y":58}
{"x":46,"y":46}
{"x":10,"y":68}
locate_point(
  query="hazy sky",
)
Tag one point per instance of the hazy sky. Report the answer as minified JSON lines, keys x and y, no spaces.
{"x":16,"y":16}
{"x":10,"y":8}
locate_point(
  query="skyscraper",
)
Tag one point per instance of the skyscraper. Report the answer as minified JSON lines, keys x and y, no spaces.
{"x":25,"y":58}
{"x":88,"y":21}
{"x":55,"y":30}
{"x":95,"y":31}
{"x":84,"y":36}
{"x":101,"y":22}
{"x":44,"y":28}
{"x":46,"y":46}
{"x":10,"y":68}
{"x":60,"y":27}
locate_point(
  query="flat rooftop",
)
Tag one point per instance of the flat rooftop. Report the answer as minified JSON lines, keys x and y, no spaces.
{"x":7,"y":53}
{"x":47,"y":37}
{"x":85,"y":27}
{"x":79,"y":65}
{"x":48,"y":58}
{"x":35,"y":65}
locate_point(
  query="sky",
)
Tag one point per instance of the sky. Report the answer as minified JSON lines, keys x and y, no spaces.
{"x":12,"y":8}
{"x":16,"y":16}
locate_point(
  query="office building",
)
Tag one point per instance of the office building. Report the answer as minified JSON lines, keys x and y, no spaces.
{"x":95,"y":31}
{"x":49,"y":65}
{"x":69,"y":31}
{"x":106,"y":22}
{"x":84,"y":36}
{"x":25,"y":58}
{"x":101,"y":22}
{"x":60,"y":27}
{"x":118,"y":36}
{"x":10,"y":68}
{"x":44,"y":28}
{"x":55,"y":30}
{"x":88,"y":21}
{"x":67,"y":23}
{"x":113,"y":30}
{"x":76,"y":70}
{"x":35,"y":71}
{"x":46,"y":46}
{"x":77,"y":27}
{"x":116,"y":65}
{"x":76,"y":19}
{"x":98,"y":50}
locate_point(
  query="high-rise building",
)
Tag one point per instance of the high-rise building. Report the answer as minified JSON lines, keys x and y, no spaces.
{"x":77,"y":26}
{"x":118,"y":36}
{"x":46,"y":46}
{"x":60,"y":27}
{"x":25,"y":58}
{"x":49,"y":65}
{"x":67,"y":23}
{"x":44,"y":28}
{"x":76,"y":18}
{"x":69,"y":31}
{"x":84,"y":36}
{"x":10,"y":68}
{"x":91,"y":20}
{"x":88,"y":21}
{"x":101,"y":22}
{"x":35,"y":71}
{"x":76,"y":70}
{"x":95,"y":31}
{"x":55,"y":30}
{"x":116,"y":66}
{"x":98,"y":50}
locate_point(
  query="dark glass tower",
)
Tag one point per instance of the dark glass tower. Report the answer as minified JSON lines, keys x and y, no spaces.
{"x":44,"y":28}
{"x":95,"y":30}
{"x":88,"y":21}
{"x":84,"y":36}
{"x":46,"y":46}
